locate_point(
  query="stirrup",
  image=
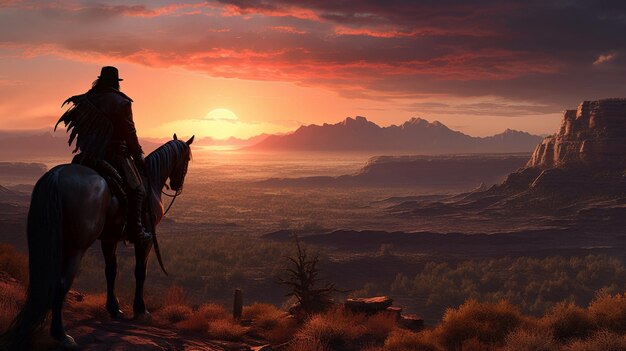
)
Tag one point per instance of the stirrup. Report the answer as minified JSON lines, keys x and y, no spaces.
{"x":142,"y":237}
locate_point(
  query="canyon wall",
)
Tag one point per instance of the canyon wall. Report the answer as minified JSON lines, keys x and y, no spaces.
{"x":593,"y":135}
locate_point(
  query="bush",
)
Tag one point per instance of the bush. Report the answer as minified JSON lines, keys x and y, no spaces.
{"x":601,"y":340}
{"x":175,"y":295}
{"x":274,"y":324}
{"x":567,"y":321}
{"x":14,"y":263}
{"x":92,"y":305}
{"x":530,"y":340}
{"x":226,"y":329}
{"x":488,"y":323}
{"x":198,"y":321}
{"x":173,"y":313}
{"x":11,"y":298}
{"x":341,"y":329}
{"x":403,"y":340}
{"x":609,"y":312}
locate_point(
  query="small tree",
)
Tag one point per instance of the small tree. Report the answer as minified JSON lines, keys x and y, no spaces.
{"x":304,"y":282}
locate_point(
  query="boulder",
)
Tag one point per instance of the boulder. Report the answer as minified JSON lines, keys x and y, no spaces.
{"x":411,"y":322}
{"x":370,"y":305}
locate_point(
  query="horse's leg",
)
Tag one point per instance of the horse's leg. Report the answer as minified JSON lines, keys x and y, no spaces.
{"x":142,"y":251}
{"x":110,"y":271}
{"x":71,"y":263}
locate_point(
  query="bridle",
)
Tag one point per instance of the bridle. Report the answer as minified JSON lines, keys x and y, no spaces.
{"x":172,"y":196}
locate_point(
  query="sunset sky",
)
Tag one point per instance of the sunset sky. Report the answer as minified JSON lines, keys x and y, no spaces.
{"x":269,"y":66}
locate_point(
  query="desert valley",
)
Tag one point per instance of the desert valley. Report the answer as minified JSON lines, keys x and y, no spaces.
{"x":426,"y":215}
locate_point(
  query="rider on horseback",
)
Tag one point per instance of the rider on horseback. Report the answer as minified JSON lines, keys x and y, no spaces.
{"x":101,"y":121}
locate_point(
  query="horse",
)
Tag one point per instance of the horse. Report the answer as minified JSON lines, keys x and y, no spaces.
{"x":71,"y":207}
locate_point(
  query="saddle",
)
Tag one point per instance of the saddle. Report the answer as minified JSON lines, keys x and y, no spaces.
{"x":114,"y":181}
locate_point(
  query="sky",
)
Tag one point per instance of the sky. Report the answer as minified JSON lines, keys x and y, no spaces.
{"x":244,"y":67}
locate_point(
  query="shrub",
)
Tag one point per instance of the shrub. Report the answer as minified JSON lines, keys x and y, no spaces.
{"x":341,"y":329}
{"x":567,"y":321}
{"x":14,"y":263}
{"x":332,"y":329}
{"x":489,"y":323}
{"x":175,"y":295}
{"x":226,"y":329}
{"x":530,"y":340}
{"x":92,"y":305}
{"x":274,"y":324}
{"x":264,"y":315}
{"x":11,"y":298}
{"x":212,"y":311}
{"x":198,"y":321}
{"x":380,"y":325}
{"x":173,"y":313}
{"x":609,"y":312}
{"x":602,"y":340}
{"x":403,"y":340}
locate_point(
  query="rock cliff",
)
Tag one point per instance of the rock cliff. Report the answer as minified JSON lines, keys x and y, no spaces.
{"x":586,"y":156}
{"x":592,"y":135}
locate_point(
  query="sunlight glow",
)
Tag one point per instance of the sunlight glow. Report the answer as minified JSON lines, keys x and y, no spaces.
{"x":221,"y":114}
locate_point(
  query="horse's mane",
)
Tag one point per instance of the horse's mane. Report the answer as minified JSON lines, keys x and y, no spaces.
{"x":159,"y":161}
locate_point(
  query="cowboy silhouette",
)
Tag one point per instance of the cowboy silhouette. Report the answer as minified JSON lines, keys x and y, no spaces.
{"x":101,"y":122}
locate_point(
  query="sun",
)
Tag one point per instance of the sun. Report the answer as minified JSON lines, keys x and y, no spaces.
{"x":221,"y":114}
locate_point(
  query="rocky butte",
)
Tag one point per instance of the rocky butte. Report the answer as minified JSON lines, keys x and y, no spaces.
{"x":586,"y":156}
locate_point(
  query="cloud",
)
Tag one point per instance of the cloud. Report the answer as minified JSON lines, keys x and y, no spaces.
{"x":604,"y":58}
{"x":397,"y":49}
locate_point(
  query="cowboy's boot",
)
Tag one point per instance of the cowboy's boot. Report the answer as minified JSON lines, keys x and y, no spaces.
{"x":136,"y":232}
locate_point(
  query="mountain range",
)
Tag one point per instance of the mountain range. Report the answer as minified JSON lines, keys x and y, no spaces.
{"x":415,"y":136}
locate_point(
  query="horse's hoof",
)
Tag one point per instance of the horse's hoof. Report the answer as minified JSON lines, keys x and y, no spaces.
{"x":116,"y":314}
{"x":67,"y":342}
{"x":142,"y":317}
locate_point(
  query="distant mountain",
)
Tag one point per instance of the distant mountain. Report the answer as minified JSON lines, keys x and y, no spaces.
{"x":416,"y":136}
{"x":232,"y":141}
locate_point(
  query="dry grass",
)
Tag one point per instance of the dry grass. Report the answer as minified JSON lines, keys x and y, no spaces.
{"x":14,"y":263}
{"x":341,"y":329}
{"x":226,"y":329}
{"x":175,"y":295}
{"x":609,"y":312}
{"x":487,"y":323}
{"x":92,"y":306}
{"x":173,"y":313}
{"x":403,"y":340}
{"x":600,"y":341}
{"x":270,"y":322}
{"x":11,"y":299}
{"x":567,"y":321}
{"x":198,"y":321}
{"x":531,"y":340}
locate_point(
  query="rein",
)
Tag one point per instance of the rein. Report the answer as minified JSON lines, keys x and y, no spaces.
{"x":173,"y":197}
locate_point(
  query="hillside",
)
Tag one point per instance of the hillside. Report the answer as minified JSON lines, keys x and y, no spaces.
{"x":449,"y":172}
{"x":416,"y":135}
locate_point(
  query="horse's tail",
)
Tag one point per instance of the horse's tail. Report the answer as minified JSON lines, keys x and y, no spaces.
{"x":44,"y":229}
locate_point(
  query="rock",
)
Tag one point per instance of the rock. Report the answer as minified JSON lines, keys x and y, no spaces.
{"x":411,"y":322}
{"x":368,"y":305}
{"x":594,"y":134}
{"x":394,"y":311}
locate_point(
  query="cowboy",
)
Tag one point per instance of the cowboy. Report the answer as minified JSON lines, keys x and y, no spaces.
{"x":101,"y":122}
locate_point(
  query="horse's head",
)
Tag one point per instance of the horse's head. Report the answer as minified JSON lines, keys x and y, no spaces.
{"x":177,"y":176}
